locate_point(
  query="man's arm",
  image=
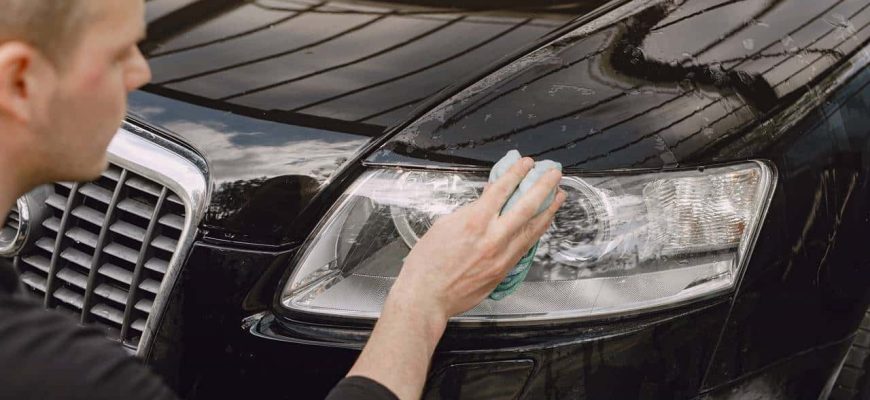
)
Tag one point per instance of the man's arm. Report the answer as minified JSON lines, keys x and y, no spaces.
{"x":459,"y":261}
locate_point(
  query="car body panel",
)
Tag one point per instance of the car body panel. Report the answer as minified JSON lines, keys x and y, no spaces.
{"x":278,"y":95}
{"x":641,"y":93}
{"x":753,"y":84}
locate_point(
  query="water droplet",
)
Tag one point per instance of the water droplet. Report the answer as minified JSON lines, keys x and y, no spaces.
{"x":786,"y":43}
{"x":748,"y":44}
{"x":564,"y":128}
{"x":487,"y":118}
{"x":687,"y":58}
{"x":555,"y":89}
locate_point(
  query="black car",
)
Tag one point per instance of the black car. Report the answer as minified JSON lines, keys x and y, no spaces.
{"x":265,"y":187}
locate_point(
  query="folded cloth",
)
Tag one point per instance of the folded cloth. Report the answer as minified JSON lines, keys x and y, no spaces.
{"x":514,"y":278}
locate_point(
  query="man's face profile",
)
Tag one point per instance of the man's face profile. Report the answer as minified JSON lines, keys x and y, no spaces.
{"x":65,"y":107}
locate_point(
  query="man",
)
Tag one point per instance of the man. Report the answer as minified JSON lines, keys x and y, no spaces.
{"x":66,"y":67}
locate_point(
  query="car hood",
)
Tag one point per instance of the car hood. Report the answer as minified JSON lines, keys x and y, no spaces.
{"x":277,"y":95}
{"x":651,"y":84}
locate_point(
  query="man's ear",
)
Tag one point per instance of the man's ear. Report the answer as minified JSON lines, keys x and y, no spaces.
{"x":19,"y":66}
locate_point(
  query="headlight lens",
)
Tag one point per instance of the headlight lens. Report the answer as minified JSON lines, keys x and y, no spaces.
{"x":621,"y":243}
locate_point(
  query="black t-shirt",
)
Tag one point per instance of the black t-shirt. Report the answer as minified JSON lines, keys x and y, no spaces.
{"x":359,"y":388}
{"x":47,"y":355}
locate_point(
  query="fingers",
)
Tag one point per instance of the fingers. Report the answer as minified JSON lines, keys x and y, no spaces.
{"x":498,"y":192}
{"x":531,"y":232}
{"x":528,"y":205}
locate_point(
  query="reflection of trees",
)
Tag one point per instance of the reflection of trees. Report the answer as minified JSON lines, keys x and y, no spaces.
{"x":755,"y":94}
{"x":264,"y":204}
{"x":448,"y":16}
{"x":228,"y":197}
{"x":179,"y":21}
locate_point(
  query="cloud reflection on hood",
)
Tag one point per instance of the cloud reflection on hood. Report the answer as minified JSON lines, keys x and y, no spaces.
{"x":264,"y":173}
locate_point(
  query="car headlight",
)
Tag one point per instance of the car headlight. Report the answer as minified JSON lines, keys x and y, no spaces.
{"x":621,"y":243}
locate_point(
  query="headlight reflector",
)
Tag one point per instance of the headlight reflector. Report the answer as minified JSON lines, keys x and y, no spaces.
{"x":621,"y":242}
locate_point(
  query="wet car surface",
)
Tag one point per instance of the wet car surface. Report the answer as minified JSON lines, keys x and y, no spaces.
{"x":289,"y":102}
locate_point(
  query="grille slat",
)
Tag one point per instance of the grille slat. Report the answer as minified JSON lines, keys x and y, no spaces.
{"x":76,"y":257}
{"x":117,"y":273}
{"x":97,"y":193}
{"x":33,"y":280}
{"x":69,"y":297}
{"x":52,"y":223}
{"x":129,"y":230}
{"x":89,"y":214}
{"x":108,"y":313}
{"x":145,"y":186}
{"x":150,"y":286}
{"x":105,"y":250}
{"x":46,"y":244}
{"x":13,"y":220}
{"x":136,"y":208}
{"x":39,"y":262}
{"x":112,"y":293}
{"x":113,"y":173}
{"x":164,"y":243}
{"x":73,"y":277}
{"x":175,"y":200}
{"x":157,"y":265}
{"x":173,"y":221}
{"x":57,"y":201}
{"x":82,"y":236}
{"x":144,"y":305}
{"x":139,"y":325}
{"x":123,"y":252}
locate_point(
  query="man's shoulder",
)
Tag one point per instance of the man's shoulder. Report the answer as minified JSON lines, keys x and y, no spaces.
{"x":8,"y":280}
{"x":47,"y":354}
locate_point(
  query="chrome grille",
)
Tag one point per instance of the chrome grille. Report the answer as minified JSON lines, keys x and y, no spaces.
{"x":12,"y":220}
{"x":108,"y":251}
{"x":9,"y":229}
{"x":105,"y":250}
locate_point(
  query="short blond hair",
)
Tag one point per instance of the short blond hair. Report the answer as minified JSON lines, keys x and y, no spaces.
{"x":52,"y":26}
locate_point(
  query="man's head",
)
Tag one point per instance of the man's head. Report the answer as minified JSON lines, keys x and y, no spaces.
{"x":66,"y":67}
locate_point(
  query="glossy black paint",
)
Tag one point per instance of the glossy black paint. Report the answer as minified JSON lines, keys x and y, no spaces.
{"x":664,"y":87}
{"x":755,"y":83}
{"x":660,"y":356}
{"x":278,"y":95}
{"x":197,"y":345}
{"x":807,"y":284}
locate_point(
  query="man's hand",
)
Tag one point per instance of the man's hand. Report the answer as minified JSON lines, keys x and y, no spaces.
{"x":453,"y":267}
{"x":465,"y":255}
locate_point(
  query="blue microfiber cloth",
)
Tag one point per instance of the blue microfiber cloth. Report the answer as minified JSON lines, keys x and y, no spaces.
{"x":514,"y":278}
